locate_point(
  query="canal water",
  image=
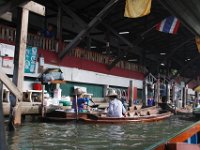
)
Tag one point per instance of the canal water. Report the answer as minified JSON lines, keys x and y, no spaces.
{"x":80,"y":136}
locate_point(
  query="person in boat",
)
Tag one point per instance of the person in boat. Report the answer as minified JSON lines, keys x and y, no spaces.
{"x":116,"y":108}
{"x":80,"y":102}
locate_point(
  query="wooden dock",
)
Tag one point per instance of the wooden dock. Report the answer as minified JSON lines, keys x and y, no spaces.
{"x":27,"y":108}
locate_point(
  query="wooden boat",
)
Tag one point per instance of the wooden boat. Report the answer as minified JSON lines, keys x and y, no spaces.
{"x":179,"y":111}
{"x":187,"y":139}
{"x":62,"y":116}
{"x":60,"y":113}
{"x":99,"y":116}
{"x":144,"y":115}
{"x":196,"y":112}
{"x":183,"y":111}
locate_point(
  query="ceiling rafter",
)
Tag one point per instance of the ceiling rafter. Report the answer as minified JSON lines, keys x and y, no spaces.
{"x":92,"y":24}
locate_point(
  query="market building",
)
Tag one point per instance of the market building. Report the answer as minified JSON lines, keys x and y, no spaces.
{"x":97,"y":46}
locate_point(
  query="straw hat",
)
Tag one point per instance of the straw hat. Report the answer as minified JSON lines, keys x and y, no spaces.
{"x":112,"y":92}
{"x":78,"y":91}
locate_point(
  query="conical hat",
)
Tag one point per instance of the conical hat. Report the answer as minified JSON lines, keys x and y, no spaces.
{"x":112,"y":92}
{"x":78,"y":91}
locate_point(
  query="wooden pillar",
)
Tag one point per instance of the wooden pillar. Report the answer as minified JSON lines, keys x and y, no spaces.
{"x":3,"y":145}
{"x":197,"y":95}
{"x":131,"y":93}
{"x":184,"y":97}
{"x":157,"y":92}
{"x":168,"y":92}
{"x":145,"y":93}
{"x":174,"y":93}
{"x":105,"y":90}
{"x":59,"y":28}
{"x":19,"y":58}
{"x":43,"y":111}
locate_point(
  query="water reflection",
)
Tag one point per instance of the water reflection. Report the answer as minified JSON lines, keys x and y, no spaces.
{"x":73,"y":136}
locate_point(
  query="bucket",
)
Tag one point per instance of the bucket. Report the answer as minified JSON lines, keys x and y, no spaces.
{"x":37,"y":86}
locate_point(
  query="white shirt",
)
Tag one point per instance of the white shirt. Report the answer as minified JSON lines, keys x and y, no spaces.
{"x":116,"y":108}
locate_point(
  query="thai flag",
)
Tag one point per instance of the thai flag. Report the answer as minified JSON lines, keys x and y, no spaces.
{"x":169,"y":25}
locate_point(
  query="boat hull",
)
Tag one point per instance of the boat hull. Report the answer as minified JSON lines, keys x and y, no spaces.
{"x":115,"y":120}
{"x":63,"y":116}
{"x":187,"y":139}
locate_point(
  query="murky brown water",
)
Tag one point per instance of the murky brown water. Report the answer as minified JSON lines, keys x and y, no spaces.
{"x":80,"y":136}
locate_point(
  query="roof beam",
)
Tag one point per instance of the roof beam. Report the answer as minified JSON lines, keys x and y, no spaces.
{"x":169,"y":55}
{"x":135,"y":48}
{"x":34,"y":7}
{"x":11,"y":5}
{"x":187,"y":65}
{"x":91,"y":25}
{"x":68,"y":10}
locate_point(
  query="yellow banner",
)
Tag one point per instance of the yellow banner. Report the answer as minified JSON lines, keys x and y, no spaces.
{"x":137,"y":8}
{"x":197,"y":39}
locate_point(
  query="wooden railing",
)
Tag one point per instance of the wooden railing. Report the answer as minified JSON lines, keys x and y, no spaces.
{"x":9,"y":34}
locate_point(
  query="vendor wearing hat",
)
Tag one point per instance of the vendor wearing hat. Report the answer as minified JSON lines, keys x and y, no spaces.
{"x":116,"y":108}
{"x":81,"y":102}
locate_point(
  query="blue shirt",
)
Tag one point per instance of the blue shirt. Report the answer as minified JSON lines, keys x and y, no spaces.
{"x":81,"y":102}
{"x":47,"y":34}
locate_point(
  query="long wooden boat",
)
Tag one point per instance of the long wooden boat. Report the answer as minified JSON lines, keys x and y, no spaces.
{"x":196,"y":112}
{"x":186,"y":139}
{"x":91,"y":118}
{"x":179,"y":111}
{"x":148,"y":114}
{"x":57,"y":114}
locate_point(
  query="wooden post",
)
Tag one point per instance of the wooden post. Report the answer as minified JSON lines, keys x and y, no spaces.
{"x":184,"y":97}
{"x":42,"y":105}
{"x":168,"y":92}
{"x":130,"y":93}
{"x":3,"y":145}
{"x":105,"y":90}
{"x":144,"y":91}
{"x":20,"y":49}
{"x":157,"y":92}
{"x":19,"y":59}
{"x":59,"y":28}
